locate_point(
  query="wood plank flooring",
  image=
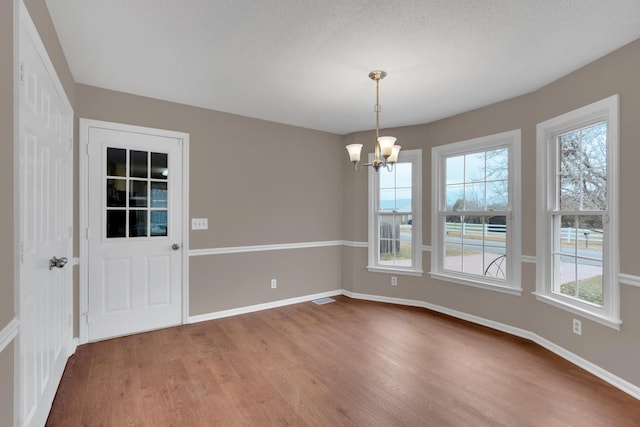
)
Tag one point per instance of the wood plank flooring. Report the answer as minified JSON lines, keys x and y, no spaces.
{"x":348,"y":363}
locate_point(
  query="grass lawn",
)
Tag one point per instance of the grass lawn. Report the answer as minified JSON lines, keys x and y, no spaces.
{"x":588,"y":289}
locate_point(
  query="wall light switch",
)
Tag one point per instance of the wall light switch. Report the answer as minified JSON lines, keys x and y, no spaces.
{"x":199,"y":223}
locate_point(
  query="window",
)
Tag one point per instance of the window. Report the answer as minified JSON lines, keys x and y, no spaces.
{"x":577,"y":265}
{"x":395,"y":203}
{"x":476,"y":212}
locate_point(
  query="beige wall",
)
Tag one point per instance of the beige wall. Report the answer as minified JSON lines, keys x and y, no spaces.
{"x":615,"y":351}
{"x":258,"y":183}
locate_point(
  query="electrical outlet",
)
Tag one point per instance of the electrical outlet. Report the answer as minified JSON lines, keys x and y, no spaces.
{"x":274,"y":283}
{"x":577,"y":326}
{"x":394,"y":281}
{"x":199,"y":223}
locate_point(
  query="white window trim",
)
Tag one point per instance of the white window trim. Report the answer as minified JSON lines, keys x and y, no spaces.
{"x":415,"y":157}
{"x":509,"y":139}
{"x":606,"y":109}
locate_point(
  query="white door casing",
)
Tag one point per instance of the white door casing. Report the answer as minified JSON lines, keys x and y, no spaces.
{"x":135,"y":234}
{"x":44,"y":224}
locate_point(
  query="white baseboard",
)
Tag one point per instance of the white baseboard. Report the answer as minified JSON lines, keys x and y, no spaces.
{"x":259,"y":307}
{"x":8,"y":333}
{"x":594,"y":369}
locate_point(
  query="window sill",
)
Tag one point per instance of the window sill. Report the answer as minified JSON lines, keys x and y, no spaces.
{"x":398,"y":271}
{"x":608,"y":321}
{"x":477,"y":284}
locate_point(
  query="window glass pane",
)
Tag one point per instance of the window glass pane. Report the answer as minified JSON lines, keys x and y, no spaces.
{"x":138,"y":164}
{"x":116,"y":193}
{"x":403,"y":200}
{"x":582,"y":235}
{"x":455,"y":170}
{"x":116,"y":223}
{"x":474,"y":196}
{"x":389,"y":237}
{"x":568,"y":234}
{"x":474,"y":167}
{"x":159,"y":169}
{"x":590,"y":236}
{"x":594,"y":146}
{"x":594,"y":189}
{"x":452,"y":257}
{"x":582,"y":279}
{"x":403,"y":175}
{"x":387,"y":179}
{"x":158,"y":223}
{"x":116,"y":162}
{"x":454,"y":197}
{"x":158,"y":194}
{"x":590,"y":281}
{"x":583,"y":168}
{"x":473,"y":230}
{"x":498,"y":164}
{"x":497,"y":195}
{"x":387,"y":200}
{"x":495,"y":262}
{"x":138,"y":194}
{"x":453,"y":229}
{"x":138,"y":223}
{"x":473,"y":260}
{"x":495,"y":231}
{"x":396,"y":240}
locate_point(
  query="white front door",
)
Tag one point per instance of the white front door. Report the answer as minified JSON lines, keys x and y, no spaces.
{"x":134,"y":229}
{"x":45,"y":229}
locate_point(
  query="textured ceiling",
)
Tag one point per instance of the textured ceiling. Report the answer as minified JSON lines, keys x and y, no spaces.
{"x":305,"y":62}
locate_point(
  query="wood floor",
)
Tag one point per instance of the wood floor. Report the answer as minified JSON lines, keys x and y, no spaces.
{"x":348,"y":363}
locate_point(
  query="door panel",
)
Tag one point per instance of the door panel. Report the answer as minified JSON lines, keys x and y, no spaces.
{"x":135,"y":218}
{"x":45,"y":215}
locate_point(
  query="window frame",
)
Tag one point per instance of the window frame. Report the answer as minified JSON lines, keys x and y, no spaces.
{"x":405,"y":156}
{"x":606,"y":110}
{"x":511,"y":140}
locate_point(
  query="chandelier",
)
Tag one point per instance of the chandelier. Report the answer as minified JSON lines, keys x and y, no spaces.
{"x":386,"y":152}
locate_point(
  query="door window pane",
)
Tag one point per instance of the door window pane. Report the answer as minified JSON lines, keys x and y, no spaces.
{"x":159,"y":169}
{"x":138,"y":223}
{"x":158,"y":194}
{"x":138,"y":194}
{"x":159,"y":223}
{"x":138,"y":161}
{"x":116,"y":162}
{"x":116,"y":223}
{"x":116,"y":193}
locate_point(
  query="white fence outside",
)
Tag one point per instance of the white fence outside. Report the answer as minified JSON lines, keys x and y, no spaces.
{"x":568,"y":234}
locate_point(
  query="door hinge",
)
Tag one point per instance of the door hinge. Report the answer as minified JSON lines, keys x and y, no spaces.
{"x":21,"y":251}
{"x":22,"y":68}
{"x":86,"y":317}
{"x":87,"y":233}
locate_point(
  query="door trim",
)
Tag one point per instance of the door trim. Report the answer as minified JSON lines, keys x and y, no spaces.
{"x":83,"y":297}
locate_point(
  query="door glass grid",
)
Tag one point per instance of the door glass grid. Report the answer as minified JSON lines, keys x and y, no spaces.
{"x":136,"y":193}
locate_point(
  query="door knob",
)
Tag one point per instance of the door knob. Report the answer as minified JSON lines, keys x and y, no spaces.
{"x":57,"y":262}
{"x":175,"y":246}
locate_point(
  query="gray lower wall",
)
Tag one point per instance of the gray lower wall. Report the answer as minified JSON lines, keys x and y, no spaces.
{"x":230,"y":281}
